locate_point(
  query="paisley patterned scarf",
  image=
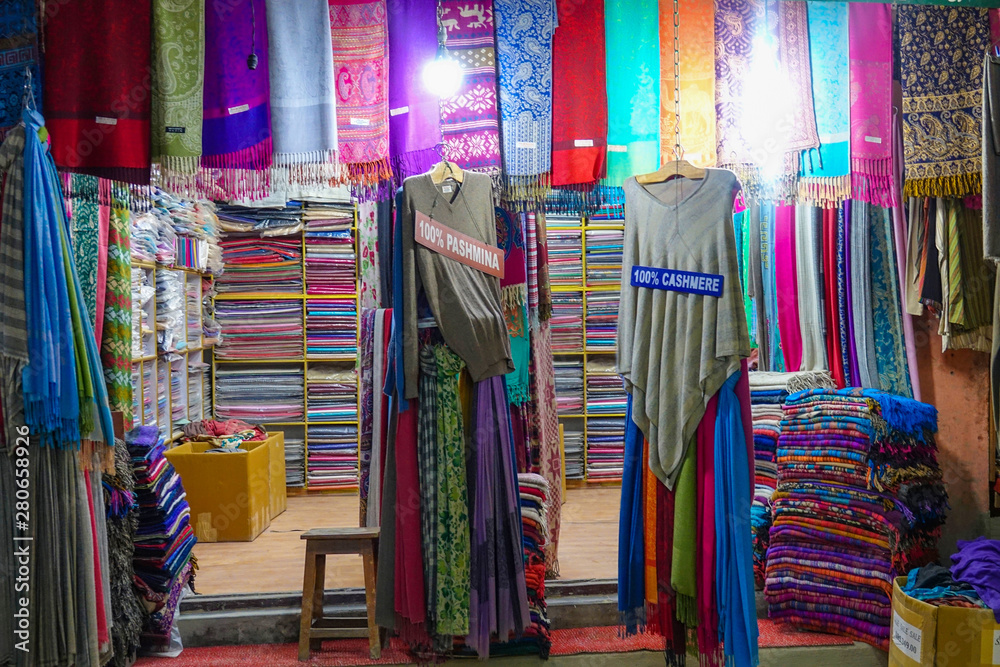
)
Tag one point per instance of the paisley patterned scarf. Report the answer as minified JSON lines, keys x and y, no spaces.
{"x":793,"y":45}
{"x":524,"y":49}
{"x":116,"y":343}
{"x":890,"y":353}
{"x":941,"y":70}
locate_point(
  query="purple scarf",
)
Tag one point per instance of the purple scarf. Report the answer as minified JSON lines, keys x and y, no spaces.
{"x":236,"y":131}
{"x":414,"y":115}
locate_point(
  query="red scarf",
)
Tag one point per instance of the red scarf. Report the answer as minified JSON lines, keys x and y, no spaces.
{"x":97,"y":96}
{"x":579,"y":94}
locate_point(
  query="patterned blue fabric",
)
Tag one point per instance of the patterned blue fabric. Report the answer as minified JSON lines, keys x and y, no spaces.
{"x":18,"y":50}
{"x":828,"y":58}
{"x":893,"y":372}
{"x":524,"y":61}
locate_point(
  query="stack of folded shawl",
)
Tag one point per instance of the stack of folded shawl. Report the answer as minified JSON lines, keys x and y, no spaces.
{"x":768,"y":392}
{"x":936,"y":586}
{"x":164,"y":538}
{"x":859,"y":501}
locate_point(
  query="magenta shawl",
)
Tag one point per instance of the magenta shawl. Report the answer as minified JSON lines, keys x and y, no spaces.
{"x":786,"y":283}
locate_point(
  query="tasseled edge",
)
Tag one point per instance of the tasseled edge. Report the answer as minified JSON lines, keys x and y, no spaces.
{"x":872,"y":181}
{"x":631,"y":621}
{"x":178,"y":174}
{"x":686,"y":610}
{"x":370,"y":181}
{"x":226,"y":176}
{"x":412,"y":163}
{"x":956,"y":185}
{"x":804,"y":380}
{"x":315,"y":168}
{"x":96,"y":455}
{"x":130,"y":175}
{"x":517,"y":394}
{"x":515,"y":300}
{"x":527,"y":192}
{"x":825,"y":192}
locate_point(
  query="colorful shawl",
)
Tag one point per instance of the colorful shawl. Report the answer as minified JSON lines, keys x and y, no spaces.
{"x":793,"y":50}
{"x":366,"y":407}
{"x":303,"y":95}
{"x":579,"y":97}
{"x":826,"y":171}
{"x":19,"y":51}
{"x":369,"y":267}
{"x":361,"y":64}
{"x":414,"y":116}
{"x":941,"y":70}
{"x":236,"y":129}
{"x":14,"y":349}
{"x":469,"y":125}
{"x":736,"y":23}
{"x":709,"y":598}
{"x":99,"y":124}
{"x":899,"y":223}
{"x":894,"y":375}
{"x":524,"y":50}
{"x":631,"y":547}
{"x":178,"y":82}
{"x":870,"y":28}
{"x":831,"y":309}
{"x":633,"y":55}
{"x":697,"y":76}
{"x":786,"y":287}
{"x":87,"y":243}
{"x":116,"y":343}
{"x":514,"y":297}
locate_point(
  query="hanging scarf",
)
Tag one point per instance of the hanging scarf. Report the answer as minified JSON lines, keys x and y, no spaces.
{"x":631,"y":547}
{"x":870,"y":28}
{"x":830,"y":299}
{"x":178,"y":82}
{"x":708,"y":603}
{"x":87,"y":243}
{"x":579,"y":96}
{"x":861,"y":295}
{"x":697,"y":77}
{"x":96,"y":90}
{"x":941,"y":70}
{"x":524,"y":49}
{"x":469,"y":118}
{"x":736,"y":24}
{"x":414,"y":116}
{"x":18,"y":31}
{"x":894,"y":375}
{"x":544,"y":287}
{"x":361,"y":65}
{"x":843,"y":305}
{"x":786,"y":287}
{"x":827,"y":170}
{"x":633,"y":55}
{"x":116,"y":344}
{"x":514,"y":297}
{"x":14,"y":341}
{"x":303,"y":96}
{"x":427,"y":437}
{"x":369,"y":271}
{"x":734,"y":558}
{"x":366,"y":407}
{"x":649,"y":522}
{"x":900,"y":244}
{"x":409,"y":598}
{"x":683,"y":575}
{"x":236,"y":127}
{"x":793,"y":50}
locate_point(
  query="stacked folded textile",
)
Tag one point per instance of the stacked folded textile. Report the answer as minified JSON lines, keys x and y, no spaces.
{"x":295,"y":461}
{"x":178,"y":401}
{"x":279,"y":221}
{"x":162,"y":392}
{"x":259,"y":264}
{"x":859,"y":501}
{"x":332,"y":328}
{"x":574,"y":452}
{"x":768,"y":392}
{"x":144,"y":234}
{"x":333,"y":394}
{"x":333,"y":457}
{"x":327,"y":217}
{"x":330,"y":262}
{"x":605,"y":449}
{"x":259,"y":393}
{"x":170,"y":321}
{"x":259,"y":329}
{"x":566,"y":323}
{"x":602,"y":319}
{"x":935,"y":585}
{"x":196,"y":371}
{"x":604,"y":256}
{"x":143,"y":328}
{"x":148,"y":395}
{"x":605,"y":391}
{"x":565,"y":256}
{"x":569,"y":386}
{"x":560,"y":221}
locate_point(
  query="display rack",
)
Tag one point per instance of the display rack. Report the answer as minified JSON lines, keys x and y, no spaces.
{"x":170,"y":387}
{"x":298,"y":430}
{"x":594,"y":279}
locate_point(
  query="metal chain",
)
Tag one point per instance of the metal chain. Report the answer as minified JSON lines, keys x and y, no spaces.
{"x":677,"y":81}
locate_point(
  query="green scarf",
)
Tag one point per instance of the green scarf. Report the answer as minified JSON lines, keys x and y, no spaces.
{"x":682,"y":571}
{"x":116,"y":337}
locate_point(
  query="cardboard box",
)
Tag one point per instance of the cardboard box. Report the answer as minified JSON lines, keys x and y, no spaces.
{"x":232,"y":489}
{"x":278,"y":494}
{"x":967,"y":637}
{"x":913,"y":630}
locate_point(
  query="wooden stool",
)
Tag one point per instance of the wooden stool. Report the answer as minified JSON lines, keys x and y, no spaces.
{"x":313,"y":627}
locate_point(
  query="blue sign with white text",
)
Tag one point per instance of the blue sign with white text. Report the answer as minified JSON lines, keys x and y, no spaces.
{"x":689,"y":282}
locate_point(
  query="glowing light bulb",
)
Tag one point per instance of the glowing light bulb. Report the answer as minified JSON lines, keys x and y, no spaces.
{"x":768,"y":108}
{"x":442,"y":76}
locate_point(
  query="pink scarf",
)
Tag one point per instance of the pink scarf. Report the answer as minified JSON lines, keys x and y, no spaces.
{"x":786,"y":281}
{"x":708,"y":612}
{"x":871,"y":102}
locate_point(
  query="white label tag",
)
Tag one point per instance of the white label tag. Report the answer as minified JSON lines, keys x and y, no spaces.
{"x":583,"y":143}
{"x":104,"y":120}
{"x":526,"y":144}
{"x":446,"y":189}
{"x":996,"y":647}
{"x":364,"y":122}
{"x":240,"y":109}
{"x":873,"y":140}
{"x":907,"y":637}
{"x":616,"y":148}
{"x":400,"y":110}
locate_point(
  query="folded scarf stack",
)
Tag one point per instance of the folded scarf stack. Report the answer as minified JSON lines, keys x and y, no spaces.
{"x":164,"y":537}
{"x":859,"y":501}
{"x":935,"y":585}
{"x":768,"y":392}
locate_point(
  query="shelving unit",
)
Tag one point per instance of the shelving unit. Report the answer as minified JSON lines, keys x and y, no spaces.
{"x":170,"y":386}
{"x":297,"y":427}
{"x":597,"y":281}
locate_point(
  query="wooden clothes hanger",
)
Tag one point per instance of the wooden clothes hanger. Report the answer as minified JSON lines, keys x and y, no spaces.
{"x":673,"y":169}
{"x":446,"y":169}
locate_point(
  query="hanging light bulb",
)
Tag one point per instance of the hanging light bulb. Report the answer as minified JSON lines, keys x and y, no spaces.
{"x":443,"y":75}
{"x":768,"y":108}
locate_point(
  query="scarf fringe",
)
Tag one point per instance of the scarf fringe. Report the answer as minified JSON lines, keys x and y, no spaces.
{"x":226,"y":176}
{"x":956,"y":185}
{"x":686,"y":610}
{"x":514,"y":297}
{"x":130,"y":175}
{"x":179,"y":175}
{"x":315,"y":168}
{"x":96,"y":455}
{"x":527,"y":192}
{"x":872,"y":181}
{"x":631,"y":622}
{"x":412,"y":163}
{"x":825,"y":192}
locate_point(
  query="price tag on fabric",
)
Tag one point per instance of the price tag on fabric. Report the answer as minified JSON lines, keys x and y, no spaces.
{"x":458,"y":246}
{"x":689,"y":282}
{"x":907,"y":637}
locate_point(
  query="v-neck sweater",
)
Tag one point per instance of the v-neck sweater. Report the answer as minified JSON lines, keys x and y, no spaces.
{"x":465,"y":302}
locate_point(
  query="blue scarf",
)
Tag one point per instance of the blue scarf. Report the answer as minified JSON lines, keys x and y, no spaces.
{"x":733,"y":550}
{"x":631,"y":548}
